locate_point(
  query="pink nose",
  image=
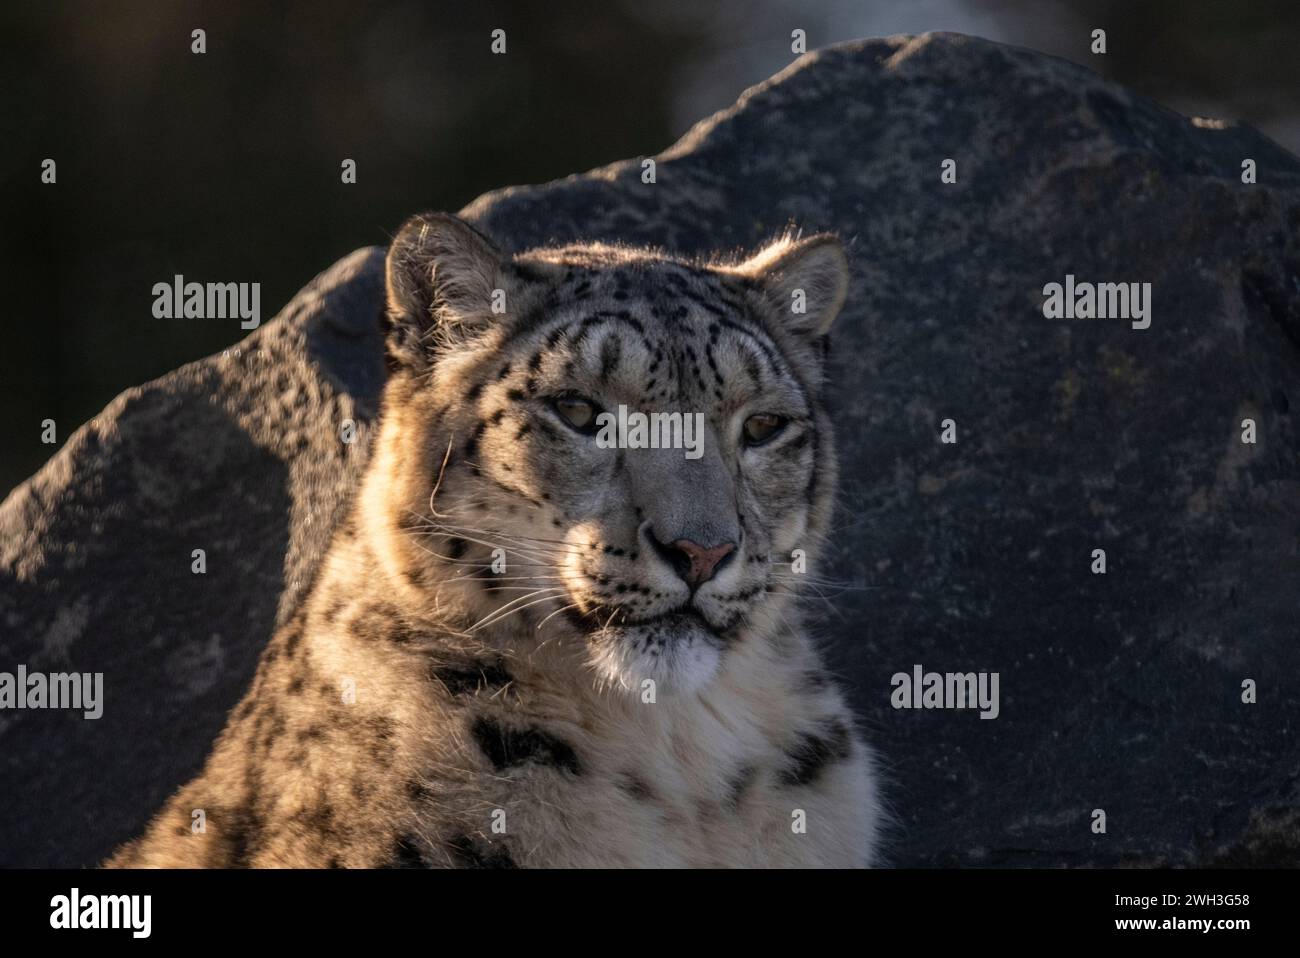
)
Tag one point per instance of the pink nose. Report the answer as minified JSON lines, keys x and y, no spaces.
{"x":701,"y":562}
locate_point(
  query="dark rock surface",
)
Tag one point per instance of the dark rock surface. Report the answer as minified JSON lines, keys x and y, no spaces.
{"x":1119,"y":691}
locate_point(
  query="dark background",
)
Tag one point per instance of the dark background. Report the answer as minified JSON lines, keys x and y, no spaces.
{"x":225,"y":167}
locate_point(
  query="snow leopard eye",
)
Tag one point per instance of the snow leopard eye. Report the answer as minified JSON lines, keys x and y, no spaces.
{"x":577,"y":412}
{"x":762,"y":427}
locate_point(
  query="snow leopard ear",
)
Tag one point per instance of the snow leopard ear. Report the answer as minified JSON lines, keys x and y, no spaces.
{"x":805,"y":281}
{"x":442,"y":276}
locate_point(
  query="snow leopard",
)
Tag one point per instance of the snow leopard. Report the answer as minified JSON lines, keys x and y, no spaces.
{"x":528,"y":645}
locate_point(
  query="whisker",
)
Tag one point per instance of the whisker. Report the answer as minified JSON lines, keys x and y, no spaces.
{"x":506,"y":615}
{"x":571,"y":605}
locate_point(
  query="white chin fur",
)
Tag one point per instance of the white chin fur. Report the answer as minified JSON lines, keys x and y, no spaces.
{"x":683,"y":665}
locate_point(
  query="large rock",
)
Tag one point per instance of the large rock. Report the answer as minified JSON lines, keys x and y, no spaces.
{"x":1120,"y":691}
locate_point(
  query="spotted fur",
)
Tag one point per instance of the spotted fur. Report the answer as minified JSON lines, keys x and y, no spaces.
{"x":589,"y":704}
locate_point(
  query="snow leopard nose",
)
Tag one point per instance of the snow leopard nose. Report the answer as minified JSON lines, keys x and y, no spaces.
{"x":694,"y":564}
